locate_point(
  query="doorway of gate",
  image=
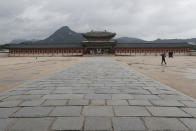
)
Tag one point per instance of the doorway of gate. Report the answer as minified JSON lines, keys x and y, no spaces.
{"x":99,"y":51}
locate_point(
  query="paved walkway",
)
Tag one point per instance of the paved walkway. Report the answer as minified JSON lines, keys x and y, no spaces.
{"x":96,"y":94}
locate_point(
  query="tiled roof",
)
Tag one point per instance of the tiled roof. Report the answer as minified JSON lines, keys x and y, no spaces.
{"x":152,"y":45}
{"x":95,"y":34}
{"x":119,"y":45}
{"x":46,"y":46}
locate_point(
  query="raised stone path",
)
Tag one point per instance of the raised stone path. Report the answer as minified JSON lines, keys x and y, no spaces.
{"x":96,"y":94}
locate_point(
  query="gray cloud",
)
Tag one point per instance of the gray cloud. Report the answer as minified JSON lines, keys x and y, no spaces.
{"x":147,"y":19}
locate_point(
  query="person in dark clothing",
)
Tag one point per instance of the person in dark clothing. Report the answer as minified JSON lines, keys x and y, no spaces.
{"x":170,"y":54}
{"x":163,"y":58}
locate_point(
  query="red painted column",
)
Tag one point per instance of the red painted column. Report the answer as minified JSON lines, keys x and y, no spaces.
{"x":49,"y":51}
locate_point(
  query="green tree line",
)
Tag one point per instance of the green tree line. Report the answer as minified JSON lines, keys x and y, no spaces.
{"x":5,"y":46}
{"x":193,"y":47}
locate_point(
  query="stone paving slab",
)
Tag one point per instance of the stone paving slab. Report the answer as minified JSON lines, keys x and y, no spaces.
{"x":139,"y":103}
{"x":191,"y":111}
{"x":160,"y":124}
{"x":98,"y":123}
{"x":6,"y":123}
{"x":189,"y":122}
{"x":33,"y":112}
{"x":31,"y":124}
{"x":7,"y":112}
{"x":66,"y":111}
{"x":55,"y":102}
{"x":14,"y":103}
{"x":117,"y":102}
{"x":98,"y":102}
{"x":167,"y":103}
{"x":68,"y":123}
{"x":131,"y":111}
{"x":128,"y":124}
{"x":32,"y":103}
{"x":189,"y":103}
{"x":96,"y":94}
{"x":98,"y":111}
{"x":167,"y":112}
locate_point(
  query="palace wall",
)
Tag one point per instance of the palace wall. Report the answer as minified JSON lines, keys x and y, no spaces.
{"x":80,"y":52}
{"x":151,"y":51}
{"x":192,"y":53}
{"x":45,"y":52}
{"x":45,"y":55}
{"x":3,"y":54}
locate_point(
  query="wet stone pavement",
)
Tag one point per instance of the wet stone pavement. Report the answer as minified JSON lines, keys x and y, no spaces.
{"x":96,"y":94}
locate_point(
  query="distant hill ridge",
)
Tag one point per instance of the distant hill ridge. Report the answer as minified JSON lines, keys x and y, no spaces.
{"x":65,"y":35}
{"x":62,"y":36}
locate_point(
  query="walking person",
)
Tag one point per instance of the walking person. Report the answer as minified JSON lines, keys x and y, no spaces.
{"x":163,"y":58}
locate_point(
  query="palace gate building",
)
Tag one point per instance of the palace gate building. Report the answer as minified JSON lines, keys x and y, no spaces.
{"x":98,"y":43}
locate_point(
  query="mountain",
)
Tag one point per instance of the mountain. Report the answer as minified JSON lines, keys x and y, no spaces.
{"x":193,"y":40}
{"x":63,"y":35}
{"x":18,"y":41}
{"x":136,"y":40}
{"x":130,"y":40}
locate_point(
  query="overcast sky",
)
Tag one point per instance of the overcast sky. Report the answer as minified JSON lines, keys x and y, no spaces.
{"x":146,"y":19}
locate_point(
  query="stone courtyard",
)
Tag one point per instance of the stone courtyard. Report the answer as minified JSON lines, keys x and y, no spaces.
{"x":96,"y":94}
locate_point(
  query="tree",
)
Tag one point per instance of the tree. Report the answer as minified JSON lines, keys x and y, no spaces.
{"x":5,"y":46}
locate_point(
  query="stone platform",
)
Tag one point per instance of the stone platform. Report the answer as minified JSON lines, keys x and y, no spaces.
{"x":96,"y":94}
